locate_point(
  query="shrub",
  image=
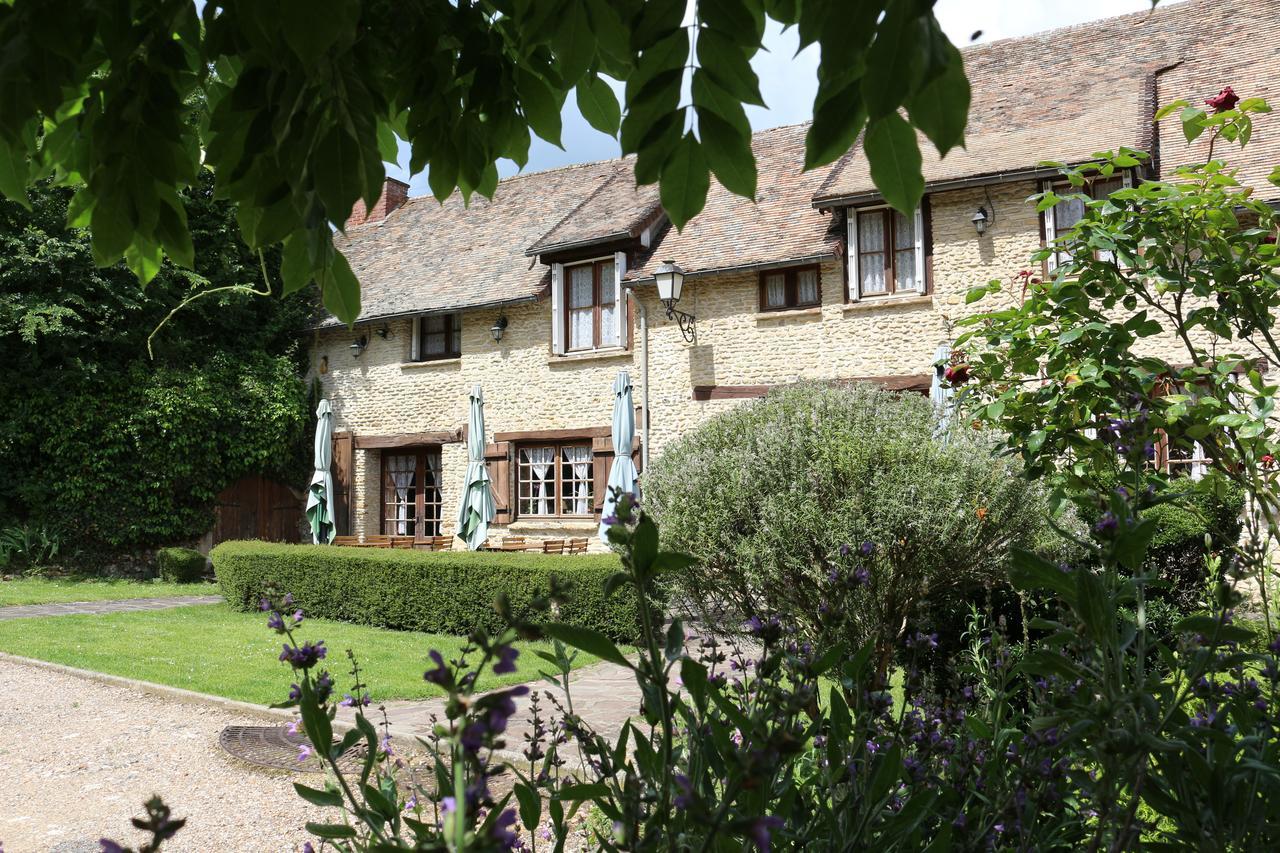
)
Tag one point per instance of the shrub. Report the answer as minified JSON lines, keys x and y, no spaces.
{"x":181,"y":565}
{"x":439,"y":592}
{"x":769,"y":497}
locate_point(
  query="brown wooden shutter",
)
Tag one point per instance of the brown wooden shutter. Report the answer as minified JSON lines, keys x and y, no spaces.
{"x":601,"y":462}
{"x":343,"y":456}
{"x":497,"y":458}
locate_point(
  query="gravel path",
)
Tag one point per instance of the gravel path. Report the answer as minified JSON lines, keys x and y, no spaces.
{"x":81,"y":757}
{"x":91,"y":608}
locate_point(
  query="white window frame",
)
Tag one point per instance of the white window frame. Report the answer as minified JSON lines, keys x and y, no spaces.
{"x":559,"y":303}
{"x":851,"y":254}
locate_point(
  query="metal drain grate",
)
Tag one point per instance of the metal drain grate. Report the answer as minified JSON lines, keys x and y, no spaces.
{"x":274,"y":747}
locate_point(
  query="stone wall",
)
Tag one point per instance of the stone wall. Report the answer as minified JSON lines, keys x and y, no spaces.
{"x":527,"y":388}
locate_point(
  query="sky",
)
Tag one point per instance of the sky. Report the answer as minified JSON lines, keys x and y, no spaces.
{"x":788,"y":81}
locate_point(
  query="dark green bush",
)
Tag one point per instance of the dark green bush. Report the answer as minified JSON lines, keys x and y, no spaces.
{"x":181,"y":565}
{"x":439,"y":592}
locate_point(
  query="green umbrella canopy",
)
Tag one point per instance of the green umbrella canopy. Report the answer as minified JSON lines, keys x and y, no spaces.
{"x":320,"y":511}
{"x":623,"y":477}
{"x":476,"y":510}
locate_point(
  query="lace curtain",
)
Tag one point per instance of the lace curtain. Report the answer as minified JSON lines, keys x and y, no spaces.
{"x":871,"y":239}
{"x":581,"y":308}
{"x":540,"y":460}
{"x":401,"y":470}
{"x":608,"y":307}
{"x":579,"y":460}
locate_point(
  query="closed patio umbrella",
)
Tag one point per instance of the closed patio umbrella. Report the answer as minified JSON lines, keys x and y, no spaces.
{"x":939,"y":393}
{"x":320,"y":512}
{"x":622,"y":474}
{"x":476,"y":510}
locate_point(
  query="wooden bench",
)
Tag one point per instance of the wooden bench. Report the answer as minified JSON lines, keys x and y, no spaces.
{"x":553,"y":546}
{"x":347,"y":541}
{"x":438,"y":543}
{"x":514,"y":543}
{"x":379,"y":541}
{"x":402,"y":542}
{"x":576,"y":546}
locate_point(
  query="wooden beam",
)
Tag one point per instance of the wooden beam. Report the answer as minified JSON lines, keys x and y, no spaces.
{"x":553,"y":434}
{"x":408,"y":439}
{"x":920,"y":382}
{"x":729,"y":392}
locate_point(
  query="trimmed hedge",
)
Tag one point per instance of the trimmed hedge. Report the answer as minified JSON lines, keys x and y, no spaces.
{"x":435,"y":591}
{"x":181,"y":565}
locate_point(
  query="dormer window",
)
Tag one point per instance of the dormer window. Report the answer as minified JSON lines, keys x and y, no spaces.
{"x":588,"y":305}
{"x":437,"y":336}
{"x":886,"y":254}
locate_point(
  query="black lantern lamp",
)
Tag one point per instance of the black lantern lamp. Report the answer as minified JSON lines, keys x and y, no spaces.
{"x":670,"y":281}
{"x":358,"y":346}
{"x":499,"y":326}
{"x":980,"y":221}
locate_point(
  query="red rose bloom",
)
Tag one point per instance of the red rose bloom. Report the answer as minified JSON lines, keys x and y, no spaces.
{"x":957,"y":374}
{"x":1224,"y":100}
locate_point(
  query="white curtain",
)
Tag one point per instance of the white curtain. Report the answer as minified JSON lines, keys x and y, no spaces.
{"x":871,"y":239}
{"x":401,"y":469}
{"x":540,"y":460}
{"x":581,"y":307}
{"x":608,"y":307}
{"x":806,"y":287}
{"x":433,"y":496}
{"x":775,"y":290}
{"x":904,"y":247}
{"x":580,"y":459}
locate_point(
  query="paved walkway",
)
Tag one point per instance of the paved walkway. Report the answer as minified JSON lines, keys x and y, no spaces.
{"x":91,"y":608}
{"x":604,"y":695}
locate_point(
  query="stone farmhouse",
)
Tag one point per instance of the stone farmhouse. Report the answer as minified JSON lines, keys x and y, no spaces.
{"x":544,"y":293}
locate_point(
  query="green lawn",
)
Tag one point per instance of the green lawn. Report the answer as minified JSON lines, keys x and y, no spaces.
{"x":48,"y":591}
{"x":213,"y":649}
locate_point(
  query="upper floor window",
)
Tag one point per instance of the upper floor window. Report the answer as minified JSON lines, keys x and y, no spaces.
{"x":1063,"y":216}
{"x":886,"y":252}
{"x":798,"y":287}
{"x":588,"y":305}
{"x":437,"y":336}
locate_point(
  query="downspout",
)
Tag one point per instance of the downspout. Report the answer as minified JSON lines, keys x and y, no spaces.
{"x":644,"y":383}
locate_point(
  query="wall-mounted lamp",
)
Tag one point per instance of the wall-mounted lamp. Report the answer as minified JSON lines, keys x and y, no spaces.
{"x":382,"y":331}
{"x":670,"y":281}
{"x":358,"y":346}
{"x":980,"y":220}
{"x":499,"y":326}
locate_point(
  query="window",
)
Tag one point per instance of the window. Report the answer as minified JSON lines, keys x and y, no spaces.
{"x":411,"y":492}
{"x":799,"y":287}
{"x":1062,"y":217}
{"x":555,"y":480}
{"x":886,"y":252}
{"x":437,"y":336}
{"x":591,"y":320}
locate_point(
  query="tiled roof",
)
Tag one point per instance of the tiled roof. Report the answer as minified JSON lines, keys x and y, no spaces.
{"x":428,"y":256}
{"x":618,"y":209}
{"x":1068,"y":93}
{"x":733,"y":232}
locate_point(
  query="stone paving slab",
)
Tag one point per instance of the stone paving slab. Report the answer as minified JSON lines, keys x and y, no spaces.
{"x":93,"y":608}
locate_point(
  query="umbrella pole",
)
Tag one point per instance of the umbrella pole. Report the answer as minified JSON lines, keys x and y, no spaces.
{"x":644,"y":384}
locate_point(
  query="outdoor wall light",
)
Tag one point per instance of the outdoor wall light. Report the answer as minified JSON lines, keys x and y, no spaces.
{"x":670,"y":281}
{"x":499,"y":326}
{"x":980,"y":221}
{"x":358,"y":346}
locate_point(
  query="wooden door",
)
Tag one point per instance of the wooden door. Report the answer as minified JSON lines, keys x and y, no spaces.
{"x":257,"y":508}
{"x":411,"y":492}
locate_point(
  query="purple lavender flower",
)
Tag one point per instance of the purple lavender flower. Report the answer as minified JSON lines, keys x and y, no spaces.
{"x":304,"y":656}
{"x":275,"y":623}
{"x":846,"y":549}
{"x":684,"y":798}
{"x":324,"y":687}
{"x":1106,"y":525}
{"x":439,"y":675}
{"x":867,"y":548}
{"x":503,"y":831}
{"x":308,"y":848}
{"x":609,"y":520}
{"x":288,"y":599}
{"x":506,"y":660}
{"x":761,"y":831}
{"x":297,"y":617}
{"x":295,"y":693}
{"x":109,"y":846}
{"x":304,"y":752}
{"x":449,"y":805}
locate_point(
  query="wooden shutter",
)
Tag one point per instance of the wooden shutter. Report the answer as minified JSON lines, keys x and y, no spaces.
{"x":343,"y":456}
{"x":557,"y":309}
{"x":1050,"y":229}
{"x":851,"y":253}
{"x":601,"y":462}
{"x":920,"y":269}
{"x":497,"y":458}
{"x":620,"y":299}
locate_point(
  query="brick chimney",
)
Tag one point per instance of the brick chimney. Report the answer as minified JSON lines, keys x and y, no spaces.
{"x":394,"y":194}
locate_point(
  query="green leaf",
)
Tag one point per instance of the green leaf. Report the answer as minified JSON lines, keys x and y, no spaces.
{"x":729,"y":66}
{"x":1192,"y":126}
{"x":14,"y":172}
{"x":311,"y":27}
{"x":728,"y":154}
{"x":583,"y":791}
{"x":1028,"y":571}
{"x":530,"y":805}
{"x":709,"y":95}
{"x":539,"y":104}
{"x":940,"y":108}
{"x":694,"y":676}
{"x":330,"y":830}
{"x":573,"y":42}
{"x":295,"y":265}
{"x":339,"y":173}
{"x":1274,"y":177}
{"x":895,"y":162}
{"x":1169,"y":109}
{"x":318,"y":797}
{"x":588,"y":640}
{"x":599,"y":105}
{"x":339,"y":290}
{"x":685,"y":181}
{"x":112,"y":225}
{"x":837,"y":121}
{"x":895,"y":63}
{"x":144,"y":258}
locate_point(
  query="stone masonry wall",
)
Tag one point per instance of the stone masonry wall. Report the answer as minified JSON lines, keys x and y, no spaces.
{"x":527,"y":388}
